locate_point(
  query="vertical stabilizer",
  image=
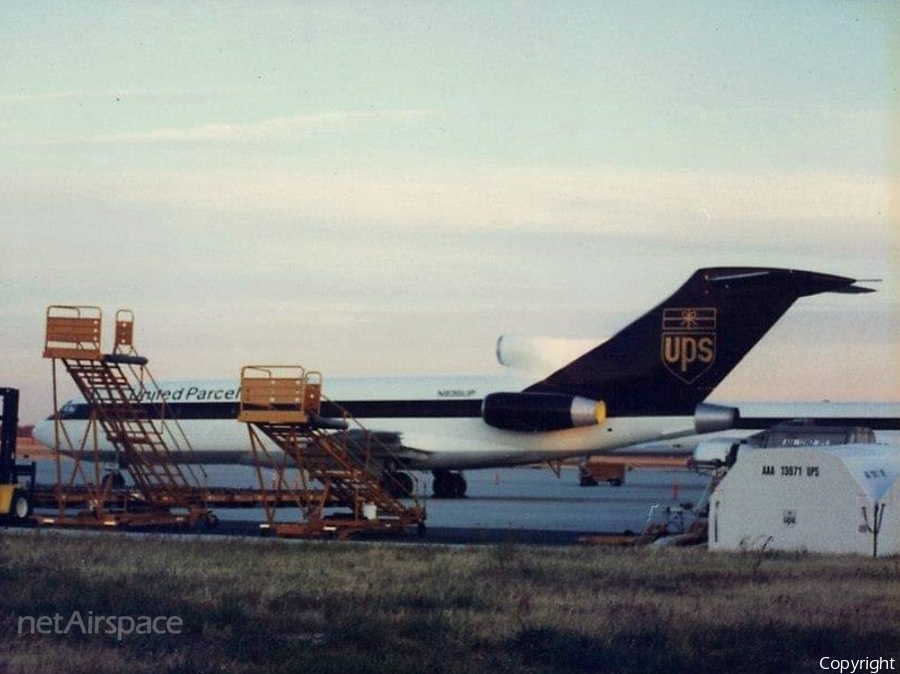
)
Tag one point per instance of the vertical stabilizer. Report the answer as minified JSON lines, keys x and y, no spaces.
{"x":670,"y":359}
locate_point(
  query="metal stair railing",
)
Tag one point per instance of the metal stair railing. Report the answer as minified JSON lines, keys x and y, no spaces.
{"x":283,"y":403}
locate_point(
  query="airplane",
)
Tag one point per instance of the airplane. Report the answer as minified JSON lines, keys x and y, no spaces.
{"x":649,"y":382}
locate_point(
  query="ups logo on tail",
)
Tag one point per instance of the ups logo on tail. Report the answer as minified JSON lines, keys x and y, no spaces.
{"x":689,"y":341}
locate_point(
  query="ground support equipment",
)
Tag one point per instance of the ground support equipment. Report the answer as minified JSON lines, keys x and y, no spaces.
{"x":338,"y":488}
{"x":117,"y":387}
{"x":16,"y":495}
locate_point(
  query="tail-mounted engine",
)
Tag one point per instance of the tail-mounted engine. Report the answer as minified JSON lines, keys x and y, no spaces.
{"x":537,"y":412}
{"x":710,"y":418}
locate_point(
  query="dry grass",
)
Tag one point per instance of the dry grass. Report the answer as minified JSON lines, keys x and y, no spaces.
{"x":271,"y":606}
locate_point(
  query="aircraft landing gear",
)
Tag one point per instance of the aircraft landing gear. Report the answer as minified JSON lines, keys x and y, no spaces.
{"x":113,"y":480}
{"x":398,"y":484}
{"x":449,"y":484}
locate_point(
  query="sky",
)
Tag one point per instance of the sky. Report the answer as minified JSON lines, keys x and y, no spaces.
{"x":386,"y":187}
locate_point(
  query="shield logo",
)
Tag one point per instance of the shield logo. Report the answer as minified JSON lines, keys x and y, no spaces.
{"x":689,"y":341}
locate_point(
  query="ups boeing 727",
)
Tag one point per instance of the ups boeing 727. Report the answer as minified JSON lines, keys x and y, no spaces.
{"x":647,"y":383}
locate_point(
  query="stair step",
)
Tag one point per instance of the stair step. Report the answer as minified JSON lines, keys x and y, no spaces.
{"x":116,"y":405}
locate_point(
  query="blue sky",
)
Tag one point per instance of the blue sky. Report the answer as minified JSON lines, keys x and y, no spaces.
{"x":386,"y":187}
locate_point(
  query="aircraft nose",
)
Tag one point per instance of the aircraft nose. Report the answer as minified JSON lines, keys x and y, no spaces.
{"x":43,"y":431}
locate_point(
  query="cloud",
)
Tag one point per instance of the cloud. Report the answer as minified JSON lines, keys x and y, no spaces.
{"x":425,"y":267}
{"x":711,"y":205}
{"x":108,"y":95}
{"x":283,"y":129}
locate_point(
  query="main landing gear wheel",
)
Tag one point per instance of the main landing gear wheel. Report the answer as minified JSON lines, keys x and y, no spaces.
{"x":449,"y":484}
{"x":398,"y":484}
{"x":113,"y":480}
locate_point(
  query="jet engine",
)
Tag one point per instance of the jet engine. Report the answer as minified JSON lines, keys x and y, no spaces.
{"x":710,"y":418}
{"x":537,"y":412}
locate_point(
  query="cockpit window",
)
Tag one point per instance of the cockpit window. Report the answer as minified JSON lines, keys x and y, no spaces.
{"x":67,"y":411}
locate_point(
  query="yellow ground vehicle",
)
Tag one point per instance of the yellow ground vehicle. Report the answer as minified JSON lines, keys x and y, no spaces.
{"x":15,"y":497}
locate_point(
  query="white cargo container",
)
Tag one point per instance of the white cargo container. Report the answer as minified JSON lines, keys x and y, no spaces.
{"x":843,"y":499}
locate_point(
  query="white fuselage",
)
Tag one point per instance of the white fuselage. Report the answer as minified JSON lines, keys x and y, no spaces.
{"x":436,"y":419}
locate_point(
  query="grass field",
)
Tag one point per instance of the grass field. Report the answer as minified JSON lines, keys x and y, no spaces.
{"x":273,"y":606}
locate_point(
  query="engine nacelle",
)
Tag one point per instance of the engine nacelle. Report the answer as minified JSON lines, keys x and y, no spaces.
{"x":709,"y":418}
{"x":540,"y":354}
{"x":536,"y":412}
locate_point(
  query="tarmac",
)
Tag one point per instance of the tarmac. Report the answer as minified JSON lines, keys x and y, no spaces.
{"x":522,"y":505}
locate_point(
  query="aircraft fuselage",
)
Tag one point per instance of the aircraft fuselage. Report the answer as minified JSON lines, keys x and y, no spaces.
{"x":433,"y":422}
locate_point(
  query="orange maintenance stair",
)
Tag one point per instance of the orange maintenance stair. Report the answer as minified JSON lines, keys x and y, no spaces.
{"x":114,"y":385}
{"x":338,"y":487}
